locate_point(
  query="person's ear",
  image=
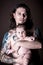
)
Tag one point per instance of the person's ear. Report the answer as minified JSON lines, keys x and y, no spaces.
{"x":14,"y":15}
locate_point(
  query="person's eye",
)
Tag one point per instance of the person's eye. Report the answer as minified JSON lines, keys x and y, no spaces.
{"x":24,"y":15}
{"x":22,"y":31}
{"x":19,"y":13}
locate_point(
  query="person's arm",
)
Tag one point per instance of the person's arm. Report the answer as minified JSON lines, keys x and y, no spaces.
{"x":30,"y":45}
{"x":4,"y":58}
{"x":7,"y":59}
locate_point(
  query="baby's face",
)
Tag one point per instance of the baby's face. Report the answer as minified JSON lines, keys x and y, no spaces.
{"x":20,"y":32}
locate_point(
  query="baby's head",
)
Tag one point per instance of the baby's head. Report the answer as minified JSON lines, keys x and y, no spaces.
{"x":21,"y":31}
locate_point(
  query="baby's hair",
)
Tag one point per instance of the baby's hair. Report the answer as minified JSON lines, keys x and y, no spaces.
{"x":20,"y":26}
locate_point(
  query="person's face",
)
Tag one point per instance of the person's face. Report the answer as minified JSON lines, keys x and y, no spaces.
{"x":21,"y":33}
{"x":20,"y":15}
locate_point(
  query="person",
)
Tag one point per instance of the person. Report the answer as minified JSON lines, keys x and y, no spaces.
{"x":20,"y":15}
{"x":19,"y":51}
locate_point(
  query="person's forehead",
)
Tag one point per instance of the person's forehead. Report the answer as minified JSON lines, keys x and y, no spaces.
{"x":21,"y":9}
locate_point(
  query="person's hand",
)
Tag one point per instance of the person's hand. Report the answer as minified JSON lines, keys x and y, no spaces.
{"x":8,"y":52}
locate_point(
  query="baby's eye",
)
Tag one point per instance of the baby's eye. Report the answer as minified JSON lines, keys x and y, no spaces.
{"x":19,"y":13}
{"x":18,"y":32}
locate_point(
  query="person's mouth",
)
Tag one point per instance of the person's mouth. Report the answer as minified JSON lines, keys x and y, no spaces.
{"x":21,"y":20}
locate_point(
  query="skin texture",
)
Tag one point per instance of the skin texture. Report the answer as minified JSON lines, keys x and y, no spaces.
{"x":20,"y":16}
{"x":21,"y":53}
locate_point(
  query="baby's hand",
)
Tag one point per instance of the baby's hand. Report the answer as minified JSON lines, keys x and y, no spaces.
{"x":31,"y":38}
{"x":8,"y":52}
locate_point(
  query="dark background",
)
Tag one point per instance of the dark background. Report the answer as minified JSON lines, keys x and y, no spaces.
{"x":6,"y":6}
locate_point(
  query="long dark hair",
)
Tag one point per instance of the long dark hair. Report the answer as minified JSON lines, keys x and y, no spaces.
{"x":28,"y":23}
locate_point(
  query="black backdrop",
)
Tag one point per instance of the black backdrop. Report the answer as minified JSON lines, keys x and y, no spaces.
{"x":6,"y":6}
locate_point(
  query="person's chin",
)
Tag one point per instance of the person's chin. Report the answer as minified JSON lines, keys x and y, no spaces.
{"x":21,"y":22}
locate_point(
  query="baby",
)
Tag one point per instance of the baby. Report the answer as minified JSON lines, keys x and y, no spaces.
{"x":20,"y":53}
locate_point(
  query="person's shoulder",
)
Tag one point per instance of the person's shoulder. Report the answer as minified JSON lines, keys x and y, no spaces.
{"x":12,"y":31}
{"x":12,"y":34}
{"x":37,"y":31}
{"x":9,"y":33}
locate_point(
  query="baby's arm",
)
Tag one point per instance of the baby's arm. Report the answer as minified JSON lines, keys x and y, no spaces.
{"x":31,"y":38}
{"x":14,"y":49}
